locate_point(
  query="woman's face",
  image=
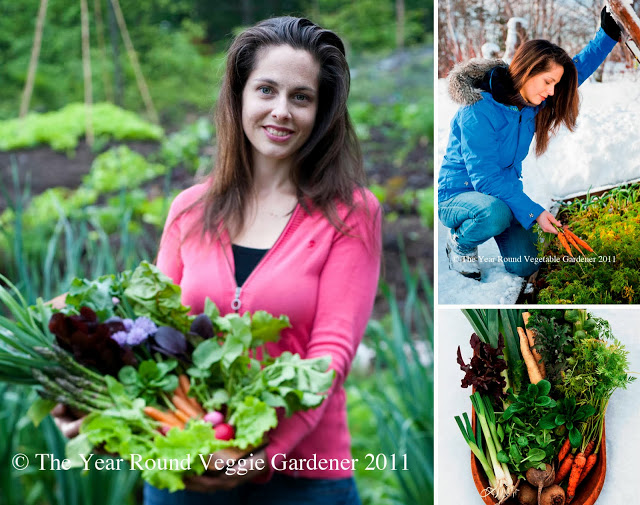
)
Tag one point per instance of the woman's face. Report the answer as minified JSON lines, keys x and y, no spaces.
{"x":280,"y":101}
{"x":536,"y":89}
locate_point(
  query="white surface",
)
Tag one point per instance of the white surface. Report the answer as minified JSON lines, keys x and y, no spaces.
{"x":454,"y":481}
{"x":604,"y":150}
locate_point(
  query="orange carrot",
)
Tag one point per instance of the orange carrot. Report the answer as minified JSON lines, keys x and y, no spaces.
{"x":578,"y":465}
{"x":181,"y":415}
{"x":589,"y":449}
{"x":194,"y":403}
{"x":163,"y":417}
{"x":591,"y":462}
{"x":576,"y":238}
{"x":185,"y":406}
{"x":564,"y":450}
{"x":185,"y":383}
{"x":179,"y":392}
{"x":564,"y":243}
{"x":564,"y":468}
{"x":185,"y":386}
{"x":573,"y":242}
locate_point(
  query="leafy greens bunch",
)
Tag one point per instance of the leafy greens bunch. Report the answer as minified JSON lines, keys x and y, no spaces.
{"x":530,"y":442}
{"x":136,"y":319}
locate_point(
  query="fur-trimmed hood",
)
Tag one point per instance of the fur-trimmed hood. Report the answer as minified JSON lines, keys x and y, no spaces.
{"x":466,"y":78}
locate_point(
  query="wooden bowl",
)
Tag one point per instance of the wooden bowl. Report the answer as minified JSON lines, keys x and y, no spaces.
{"x":586,"y":494}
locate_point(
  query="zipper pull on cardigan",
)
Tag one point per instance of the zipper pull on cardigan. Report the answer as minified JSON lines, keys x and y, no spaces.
{"x":236,"y":303}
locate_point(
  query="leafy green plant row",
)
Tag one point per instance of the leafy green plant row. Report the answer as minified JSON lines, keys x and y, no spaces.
{"x":409,"y":122}
{"x":611,"y":274}
{"x":61,"y":129}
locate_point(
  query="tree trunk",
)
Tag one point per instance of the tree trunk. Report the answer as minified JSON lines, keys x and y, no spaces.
{"x":452,"y":33}
{"x":33,"y":63}
{"x":400,"y":18}
{"x":108,"y":88}
{"x":114,"y":37}
{"x":86,"y":70}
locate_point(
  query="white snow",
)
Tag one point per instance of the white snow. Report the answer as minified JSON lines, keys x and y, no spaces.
{"x":603,"y":151}
{"x":490,"y":50}
{"x":454,"y":473}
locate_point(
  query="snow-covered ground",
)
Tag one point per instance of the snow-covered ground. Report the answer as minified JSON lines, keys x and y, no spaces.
{"x":454,"y":481}
{"x":603,"y":151}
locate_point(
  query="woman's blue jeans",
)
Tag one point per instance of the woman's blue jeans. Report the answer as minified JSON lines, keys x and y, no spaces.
{"x":280,"y":490}
{"x":475,"y":218}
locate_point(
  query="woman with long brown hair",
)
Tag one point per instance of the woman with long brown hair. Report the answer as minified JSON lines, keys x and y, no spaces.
{"x":285,"y":225}
{"x":480,"y":194}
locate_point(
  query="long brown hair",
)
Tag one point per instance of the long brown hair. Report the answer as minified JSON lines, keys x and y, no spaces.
{"x":534,"y":57}
{"x":327,"y":168}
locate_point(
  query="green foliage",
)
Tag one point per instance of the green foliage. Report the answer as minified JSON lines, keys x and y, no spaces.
{"x":121,"y":168}
{"x":568,"y":415}
{"x":34,"y":486}
{"x":404,"y":425}
{"x":371,"y":24}
{"x":392,"y":100}
{"x":375,"y":486}
{"x":530,"y":443}
{"x":597,"y":368}
{"x":184,"y":147}
{"x":554,"y":340}
{"x":62,"y":129}
{"x":612,"y":273}
{"x":150,"y":379}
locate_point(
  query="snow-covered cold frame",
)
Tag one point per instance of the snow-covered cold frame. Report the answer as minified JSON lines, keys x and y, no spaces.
{"x":454,"y":481}
{"x":604,"y":151}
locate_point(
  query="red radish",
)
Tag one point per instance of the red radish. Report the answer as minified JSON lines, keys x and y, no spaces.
{"x":224,"y":431}
{"x":214,"y":417}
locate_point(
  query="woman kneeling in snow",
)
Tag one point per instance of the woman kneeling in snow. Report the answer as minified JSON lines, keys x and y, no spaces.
{"x":480,"y":194}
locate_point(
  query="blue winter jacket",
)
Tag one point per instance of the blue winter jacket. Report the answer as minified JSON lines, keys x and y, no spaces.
{"x":489,"y":140}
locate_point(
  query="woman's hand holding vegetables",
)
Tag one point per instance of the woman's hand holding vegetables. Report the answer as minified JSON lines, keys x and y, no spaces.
{"x":212,"y":481}
{"x":546,"y":222}
{"x":66,"y":420}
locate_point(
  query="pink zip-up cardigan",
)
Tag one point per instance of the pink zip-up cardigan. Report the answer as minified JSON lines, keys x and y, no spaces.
{"x":325,"y":281}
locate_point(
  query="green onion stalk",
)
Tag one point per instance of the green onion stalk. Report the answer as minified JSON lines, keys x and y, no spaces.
{"x":485,"y":414}
{"x":474,"y":444}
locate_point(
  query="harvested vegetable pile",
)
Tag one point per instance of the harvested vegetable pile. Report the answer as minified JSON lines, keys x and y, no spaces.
{"x":540,"y":440}
{"x":157,"y":383}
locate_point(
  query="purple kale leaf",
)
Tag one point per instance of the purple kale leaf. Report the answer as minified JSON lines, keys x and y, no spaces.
{"x":90,"y":341}
{"x":483,"y":371}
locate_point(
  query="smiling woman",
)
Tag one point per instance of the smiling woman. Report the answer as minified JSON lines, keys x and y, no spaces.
{"x":284,"y":224}
{"x":279,"y":103}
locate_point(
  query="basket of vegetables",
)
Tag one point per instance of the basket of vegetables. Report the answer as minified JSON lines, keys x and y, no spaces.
{"x":541,"y":385}
{"x":159,"y":387}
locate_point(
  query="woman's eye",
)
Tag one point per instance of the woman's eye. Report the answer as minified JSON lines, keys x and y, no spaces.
{"x":301,"y":97}
{"x":265,"y":90}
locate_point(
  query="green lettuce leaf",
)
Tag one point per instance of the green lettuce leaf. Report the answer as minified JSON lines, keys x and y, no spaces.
{"x":252,"y":418}
{"x":152,"y":294}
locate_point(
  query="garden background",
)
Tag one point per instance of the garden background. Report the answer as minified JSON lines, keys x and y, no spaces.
{"x":68,"y":208}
